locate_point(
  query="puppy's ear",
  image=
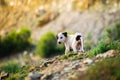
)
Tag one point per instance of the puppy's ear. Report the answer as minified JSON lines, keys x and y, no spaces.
{"x":65,"y":34}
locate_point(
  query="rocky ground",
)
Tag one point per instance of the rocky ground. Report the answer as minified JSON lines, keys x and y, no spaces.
{"x":61,"y":67}
{"x":58,"y":68}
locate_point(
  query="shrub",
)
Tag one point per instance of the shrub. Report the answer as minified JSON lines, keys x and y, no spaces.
{"x":104,"y":72}
{"x":114,"y":32}
{"x":10,"y":67}
{"x":47,"y":46}
{"x":101,"y":47}
{"x":60,"y":48}
{"x":104,"y":46}
{"x":15,"y":41}
{"x":15,"y":70}
{"x":109,"y":41}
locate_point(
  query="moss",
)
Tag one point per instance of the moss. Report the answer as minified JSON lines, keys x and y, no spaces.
{"x":73,"y":56}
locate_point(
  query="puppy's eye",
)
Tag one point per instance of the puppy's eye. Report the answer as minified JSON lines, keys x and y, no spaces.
{"x":61,"y":37}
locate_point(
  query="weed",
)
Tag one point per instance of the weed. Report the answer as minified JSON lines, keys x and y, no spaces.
{"x":10,"y":67}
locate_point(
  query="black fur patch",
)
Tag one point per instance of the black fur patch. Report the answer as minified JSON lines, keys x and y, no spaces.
{"x":78,"y":37}
{"x":65,"y":34}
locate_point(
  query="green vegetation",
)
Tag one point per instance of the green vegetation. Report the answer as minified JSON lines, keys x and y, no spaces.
{"x":15,"y":41}
{"x":113,"y":33}
{"x":111,"y":40}
{"x":15,"y":70}
{"x":88,"y":42}
{"x":10,"y":67}
{"x":102,"y":70}
{"x":47,"y":45}
{"x":73,"y":56}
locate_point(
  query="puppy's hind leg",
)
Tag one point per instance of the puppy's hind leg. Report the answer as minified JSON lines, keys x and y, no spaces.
{"x":82,"y":45}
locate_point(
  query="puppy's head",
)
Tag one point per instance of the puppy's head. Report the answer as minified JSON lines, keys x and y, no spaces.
{"x":61,"y":37}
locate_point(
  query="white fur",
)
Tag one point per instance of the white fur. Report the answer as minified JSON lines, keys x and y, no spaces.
{"x":70,"y":42}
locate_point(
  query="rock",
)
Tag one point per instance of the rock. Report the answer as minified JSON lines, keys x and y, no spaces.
{"x":56,"y":76}
{"x":67,"y":69}
{"x":88,"y":61}
{"x":110,"y":53}
{"x":34,"y":76}
{"x":25,"y":53}
{"x":3,"y":75}
{"x":99,"y":56}
{"x":76,"y":66}
{"x":47,"y":76}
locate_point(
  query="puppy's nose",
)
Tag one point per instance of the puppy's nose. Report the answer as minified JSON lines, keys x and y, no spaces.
{"x":59,"y":42}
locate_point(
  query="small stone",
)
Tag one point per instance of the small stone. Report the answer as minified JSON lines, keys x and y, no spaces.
{"x":76,"y":66}
{"x":99,"y":56}
{"x":34,"y":76}
{"x":3,"y":75}
{"x":87,"y":61}
{"x":66,"y":69}
{"x":25,"y":53}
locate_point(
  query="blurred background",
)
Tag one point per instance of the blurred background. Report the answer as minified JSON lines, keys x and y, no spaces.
{"x":28,"y":27}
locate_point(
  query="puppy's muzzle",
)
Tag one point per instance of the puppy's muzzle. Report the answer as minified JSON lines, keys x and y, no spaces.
{"x":59,"y":42}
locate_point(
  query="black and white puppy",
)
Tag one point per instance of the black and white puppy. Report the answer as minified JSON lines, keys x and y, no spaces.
{"x":73,"y":41}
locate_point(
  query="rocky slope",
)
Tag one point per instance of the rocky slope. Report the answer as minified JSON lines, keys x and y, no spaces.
{"x":64,"y":69}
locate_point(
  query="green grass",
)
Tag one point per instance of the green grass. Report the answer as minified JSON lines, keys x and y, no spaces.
{"x":10,"y":67}
{"x":104,"y":46}
{"x":15,"y":70}
{"x":19,"y":75}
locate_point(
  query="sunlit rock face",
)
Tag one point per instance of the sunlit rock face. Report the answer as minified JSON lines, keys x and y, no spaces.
{"x":86,"y":22}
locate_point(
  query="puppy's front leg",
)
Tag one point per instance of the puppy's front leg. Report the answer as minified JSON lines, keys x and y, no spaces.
{"x":67,"y":48}
{"x":82,"y":44}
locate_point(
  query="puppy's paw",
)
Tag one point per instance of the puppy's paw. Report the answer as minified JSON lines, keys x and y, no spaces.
{"x":82,"y":51}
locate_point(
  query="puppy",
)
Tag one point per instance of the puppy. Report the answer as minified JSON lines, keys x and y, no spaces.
{"x":74,"y":41}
